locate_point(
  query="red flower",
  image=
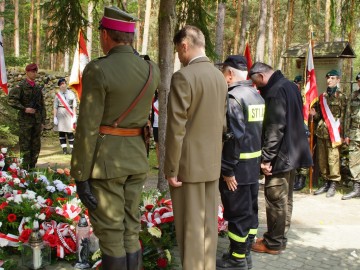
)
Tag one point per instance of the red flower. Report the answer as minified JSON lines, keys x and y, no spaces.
{"x":61,"y":199}
{"x":149,"y":207}
{"x":22,"y":180}
{"x":3,"y":205}
{"x":161,"y":262}
{"x":51,"y":239}
{"x":11,"y":183}
{"x":48,"y":202}
{"x":11,"y":217}
{"x":24,"y":236}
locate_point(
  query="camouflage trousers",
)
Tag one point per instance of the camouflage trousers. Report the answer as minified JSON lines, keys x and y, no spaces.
{"x":329,"y":160}
{"x":354,"y":160}
{"x":30,"y":143}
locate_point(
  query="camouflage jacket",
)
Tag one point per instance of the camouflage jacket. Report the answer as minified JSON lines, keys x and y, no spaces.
{"x":353,"y":132}
{"x":24,"y":96}
{"x":337,"y":104}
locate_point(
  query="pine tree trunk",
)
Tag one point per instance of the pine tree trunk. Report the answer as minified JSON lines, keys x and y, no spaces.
{"x":220,"y":32}
{"x":327,"y":21}
{"x":89,"y":29}
{"x":167,"y":23}
{"x":244,"y":16}
{"x":138,"y":27}
{"x":2,"y":10}
{"x":16,"y":29}
{"x":66,"y":61}
{"x":237,"y":27}
{"x":38,"y":26}
{"x":260,"y":45}
{"x":339,"y":30}
{"x":31,"y":24}
{"x":146,"y":27}
{"x":284,"y":34}
{"x":271,"y":33}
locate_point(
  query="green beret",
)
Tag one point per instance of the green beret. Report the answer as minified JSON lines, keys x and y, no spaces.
{"x":298,"y":79}
{"x":333,"y":72}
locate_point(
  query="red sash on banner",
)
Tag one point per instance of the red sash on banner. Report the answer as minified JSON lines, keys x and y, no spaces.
{"x":332,"y":124}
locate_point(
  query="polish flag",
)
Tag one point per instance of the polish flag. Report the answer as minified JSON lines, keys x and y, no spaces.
{"x":3,"y":77}
{"x":311,"y":93}
{"x":81,"y":58}
{"x":247,"y":55}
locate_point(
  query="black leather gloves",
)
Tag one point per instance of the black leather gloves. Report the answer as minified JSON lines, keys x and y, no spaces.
{"x":87,"y":198}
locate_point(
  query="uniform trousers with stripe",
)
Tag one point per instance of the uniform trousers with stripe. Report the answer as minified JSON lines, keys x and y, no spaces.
{"x":195,"y":207}
{"x":62,"y":139}
{"x":241,"y":212}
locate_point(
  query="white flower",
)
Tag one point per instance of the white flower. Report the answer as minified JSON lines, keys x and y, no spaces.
{"x":44,"y":179}
{"x":16,"y":181}
{"x":18,"y":198}
{"x":13,"y":166}
{"x":0,"y":224}
{"x":10,"y":199}
{"x":4,"y":150}
{"x":155,"y":231}
{"x":31,"y":194}
{"x":36,"y":206}
{"x":2,"y":163}
{"x":168,"y":255}
{"x":42,"y":216}
{"x":41,"y":200}
{"x":51,"y":189}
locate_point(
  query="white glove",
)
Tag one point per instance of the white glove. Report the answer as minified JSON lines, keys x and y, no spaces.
{"x":56,"y":122}
{"x":74,"y":119}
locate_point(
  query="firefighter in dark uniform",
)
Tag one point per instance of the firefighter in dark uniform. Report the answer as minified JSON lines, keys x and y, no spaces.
{"x":109,"y":161}
{"x":352,"y":138}
{"x":28,"y":99}
{"x":240,"y":164}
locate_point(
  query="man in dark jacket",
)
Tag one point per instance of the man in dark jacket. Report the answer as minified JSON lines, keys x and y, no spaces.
{"x":284,"y":149}
{"x":240,"y":163}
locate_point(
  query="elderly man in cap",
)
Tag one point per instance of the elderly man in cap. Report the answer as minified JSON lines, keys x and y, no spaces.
{"x":27,"y":98}
{"x":240,"y":163}
{"x":65,"y":103}
{"x":330,"y":132}
{"x":109,"y":160}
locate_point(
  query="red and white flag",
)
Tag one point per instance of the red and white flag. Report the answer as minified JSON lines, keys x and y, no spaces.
{"x":247,"y":55}
{"x":311,"y":93}
{"x":81,"y":58}
{"x":3,"y":77}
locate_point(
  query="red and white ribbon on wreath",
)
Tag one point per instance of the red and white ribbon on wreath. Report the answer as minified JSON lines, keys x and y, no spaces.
{"x":62,"y":230}
{"x":69,"y":211}
{"x":12,"y":240}
{"x":159,"y":216}
{"x":49,"y":227}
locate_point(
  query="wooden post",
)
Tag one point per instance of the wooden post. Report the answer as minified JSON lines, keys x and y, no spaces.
{"x":311,"y":129}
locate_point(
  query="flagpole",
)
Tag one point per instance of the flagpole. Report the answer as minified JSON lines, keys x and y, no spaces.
{"x":311,"y":125}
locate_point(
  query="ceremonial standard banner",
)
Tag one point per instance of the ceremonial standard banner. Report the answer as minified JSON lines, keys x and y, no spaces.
{"x":3,"y":77}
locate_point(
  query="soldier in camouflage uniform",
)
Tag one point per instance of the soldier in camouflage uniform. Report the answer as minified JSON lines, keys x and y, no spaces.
{"x":329,"y":151}
{"x":353,"y":140}
{"x":28,"y":99}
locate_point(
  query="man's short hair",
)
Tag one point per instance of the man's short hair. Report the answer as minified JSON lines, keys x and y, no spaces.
{"x":120,"y":36}
{"x":259,"y":67}
{"x":193,"y":34}
{"x":239,"y":73}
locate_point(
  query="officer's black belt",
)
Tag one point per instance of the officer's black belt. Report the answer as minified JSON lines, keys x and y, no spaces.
{"x":124,"y":132}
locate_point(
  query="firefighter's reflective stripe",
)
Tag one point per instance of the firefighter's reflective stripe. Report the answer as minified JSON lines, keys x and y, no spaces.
{"x":250,"y":155}
{"x":253,"y":231}
{"x":256,"y":112}
{"x":237,"y":255}
{"x":237,"y":238}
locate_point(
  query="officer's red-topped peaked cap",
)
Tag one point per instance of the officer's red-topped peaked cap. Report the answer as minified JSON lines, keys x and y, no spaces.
{"x":118,"y":20}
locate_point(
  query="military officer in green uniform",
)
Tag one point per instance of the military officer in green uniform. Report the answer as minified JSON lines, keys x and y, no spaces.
{"x":28,"y":99}
{"x":109,"y":160}
{"x":329,"y":132}
{"x":352,"y":138}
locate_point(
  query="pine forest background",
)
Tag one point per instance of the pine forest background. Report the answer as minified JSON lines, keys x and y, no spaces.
{"x":46,"y":32}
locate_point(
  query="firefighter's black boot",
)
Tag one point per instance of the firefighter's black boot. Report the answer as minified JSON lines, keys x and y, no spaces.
{"x":332,"y":190}
{"x":231,"y":263}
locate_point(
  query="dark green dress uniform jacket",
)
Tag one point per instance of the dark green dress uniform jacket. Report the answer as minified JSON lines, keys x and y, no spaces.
{"x":110,"y":84}
{"x":26,"y":96}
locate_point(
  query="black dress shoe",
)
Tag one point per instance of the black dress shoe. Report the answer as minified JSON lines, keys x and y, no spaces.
{"x":324,"y":188}
{"x":300,"y":183}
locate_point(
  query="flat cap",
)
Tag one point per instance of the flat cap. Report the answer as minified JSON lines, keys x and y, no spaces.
{"x":31,"y":67}
{"x":298,"y":79}
{"x":236,"y":61}
{"x":118,"y":20}
{"x":333,"y":72}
